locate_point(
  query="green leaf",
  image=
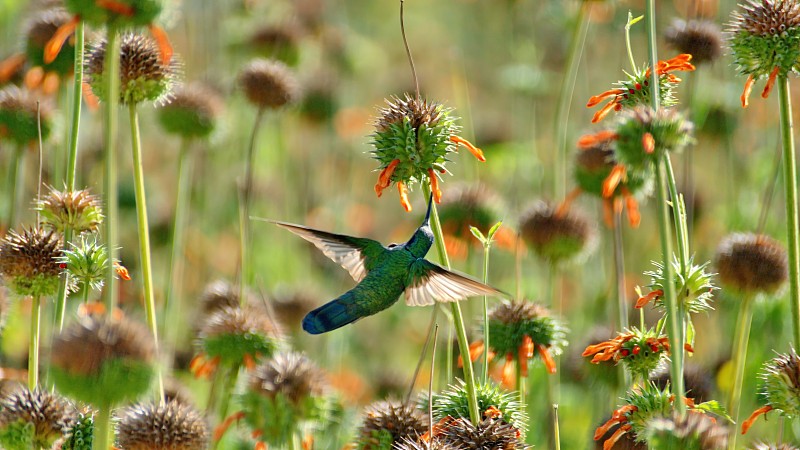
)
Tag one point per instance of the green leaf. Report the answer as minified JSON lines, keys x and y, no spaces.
{"x":477,"y":233}
{"x":713,"y":407}
{"x":494,"y":229}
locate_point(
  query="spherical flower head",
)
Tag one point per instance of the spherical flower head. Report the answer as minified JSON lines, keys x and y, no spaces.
{"x":29,"y":261}
{"x":764,"y":37}
{"x":493,"y":401}
{"x":144,"y":76}
{"x":40,"y":28}
{"x":640,"y":350}
{"x":268,"y":84}
{"x":218,"y":295}
{"x":700,"y":38}
{"x":79,"y":210}
{"x":85,"y":261}
{"x":695,"y":286}
{"x":279,"y":41}
{"x":116,"y":12}
{"x":694,"y":431}
{"x":493,"y":433}
{"x":558,"y":236}
{"x":170,"y":426}
{"x":33,"y":420}
{"x":645,"y":136}
{"x":388,"y":422}
{"x":80,"y":434}
{"x":103,"y":361}
{"x":751,"y":264}
{"x":781,"y":383}
{"x":283,"y":393}
{"x":192,"y":112}
{"x":19,"y":116}
{"x":233,"y":336}
{"x":412,"y":141}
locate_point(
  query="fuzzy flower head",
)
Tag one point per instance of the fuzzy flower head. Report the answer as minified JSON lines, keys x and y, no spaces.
{"x":752,"y":264}
{"x":694,"y":287}
{"x":640,"y":350}
{"x":192,"y":112}
{"x":170,"y":426}
{"x":700,"y":38}
{"x":79,"y":210}
{"x":557,"y":235}
{"x":268,"y":84}
{"x":764,"y":38}
{"x":491,"y":432}
{"x":19,"y":116}
{"x":635,"y":90}
{"x":780,"y":385}
{"x":102,"y":360}
{"x":29,"y":261}
{"x":691,"y":432}
{"x":412,"y":142}
{"x":493,"y":401}
{"x":388,"y":422}
{"x":144,"y":76}
{"x":33,"y":420}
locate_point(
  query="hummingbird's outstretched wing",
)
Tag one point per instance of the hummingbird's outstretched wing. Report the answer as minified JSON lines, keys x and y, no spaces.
{"x":357,"y":255}
{"x":429,"y":283}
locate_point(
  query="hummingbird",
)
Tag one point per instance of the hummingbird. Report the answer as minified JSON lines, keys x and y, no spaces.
{"x":383,"y":273}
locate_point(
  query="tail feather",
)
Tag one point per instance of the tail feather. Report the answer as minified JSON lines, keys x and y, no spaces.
{"x":332,"y":315}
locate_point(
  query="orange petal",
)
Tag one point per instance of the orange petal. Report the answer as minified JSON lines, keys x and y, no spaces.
{"x":608,"y":214}
{"x":603,"y":429}
{"x":249,"y":362}
{"x":308,"y":442}
{"x":53,"y":46}
{"x":385,"y":178}
{"x":549,"y":362}
{"x":116,"y":7}
{"x":564,"y":206}
{"x":476,"y":152}
{"x":164,"y":47}
{"x":33,"y":78}
{"x":475,"y":350}
{"x":750,"y":420}
{"x":770,"y":82}
{"x":88,"y":95}
{"x":401,"y":188}
{"x":260,"y":446}
{"x":524,"y":352}
{"x":492,"y":413}
{"x":10,"y":66}
{"x":599,"y":115}
{"x":648,"y":298}
{"x":596,"y":99}
{"x":592,"y":349}
{"x":609,"y":443}
{"x":591,"y":140}
{"x":122,"y":271}
{"x":50,"y":83}
{"x":196,"y":363}
{"x":648,"y":143}
{"x":748,"y":87}
{"x":634,"y":217}
{"x":508,"y":372}
{"x":223,"y":427}
{"x":437,"y":193}
{"x":613,"y":180}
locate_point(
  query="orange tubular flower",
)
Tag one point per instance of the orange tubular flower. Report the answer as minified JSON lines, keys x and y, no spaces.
{"x":648,"y":143}
{"x":524,"y":352}
{"x":478,"y":153}
{"x":223,"y":427}
{"x":401,"y":188}
{"x":10,"y":66}
{"x":751,"y":420}
{"x":202,"y":367}
{"x":385,"y":178}
{"x":437,"y":193}
{"x":590,"y":140}
{"x":613,"y":180}
{"x":53,"y":46}
{"x":508,"y":372}
{"x":648,"y":298}
{"x":549,"y":362}
{"x":770,"y":82}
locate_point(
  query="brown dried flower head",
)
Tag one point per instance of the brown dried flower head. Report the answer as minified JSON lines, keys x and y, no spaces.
{"x":38,"y":418}
{"x":217,"y":295}
{"x":490,"y":433}
{"x":235,"y":320}
{"x":79,"y":210}
{"x":393,"y":421}
{"x":555,"y":235}
{"x":170,"y":426}
{"x":291,"y":374}
{"x":751,"y":263}
{"x":701,"y":39}
{"x":28,"y":261}
{"x":268,"y":83}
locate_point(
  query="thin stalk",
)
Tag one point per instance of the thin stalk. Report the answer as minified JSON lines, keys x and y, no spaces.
{"x":619,"y":285}
{"x":103,"y":439}
{"x":458,"y":320}
{"x":244,"y":208}
{"x":556,"y":430}
{"x":739,"y":354}
{"x":144,"y":234}
{"x":77,"y":91}
{"x":61,"y":296}
{"x":486,"y":250}
{"x":111,"y":80}
{"x":574,"y":54}
{"x":688,"y":157}
{"x":33,"y":351}
{"x":15,"y":182}
{"x":678,"y":216}
{"x":790,"y":186}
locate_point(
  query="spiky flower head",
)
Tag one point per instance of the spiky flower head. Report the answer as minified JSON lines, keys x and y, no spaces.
{"x":781,"y":383}
{"x":412,"y":142}
{"x":771,"y":446}
{"x":764,"y":37}
{"x":19,"y":116}
{"x":192,"y":112}
{"x":268,"y":84}
{"x":693,"y":285}
{"x":283,"y":393}
{"x":644,"y":136}
{"x":693,"y":431}
{"x":85,"y":262}
{"x":170,"y":426}
{"x":751,"y":263}
{"x":700,"y":38}
{"x":29,"y":261}
{"x":557,"y":235}
{"x":435,"y":444}
{"x":80,"y":434}
{"x":33,"y":420}
{"x":144,"y":75}
{"x":40,"y":28}
{"x":102,"y":360}
{"x":640,"y":350}
{"x":388,"y":422}
{"x":641,"y":405}
{"x":492,"y":401}
{"x":118,"y":12}
{"x":79,"y":210}
{"x":494,"y":433}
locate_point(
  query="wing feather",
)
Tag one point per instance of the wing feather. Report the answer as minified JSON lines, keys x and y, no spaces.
{"x":430,"y":283}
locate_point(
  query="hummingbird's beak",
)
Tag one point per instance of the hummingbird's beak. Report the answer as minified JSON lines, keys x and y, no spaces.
{"x":428,"y":214}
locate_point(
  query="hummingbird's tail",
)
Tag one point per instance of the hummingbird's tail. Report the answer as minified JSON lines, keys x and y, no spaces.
{"x":332,"y":315}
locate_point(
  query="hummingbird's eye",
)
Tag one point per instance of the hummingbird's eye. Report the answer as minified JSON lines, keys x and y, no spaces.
{"x":393,"y":245}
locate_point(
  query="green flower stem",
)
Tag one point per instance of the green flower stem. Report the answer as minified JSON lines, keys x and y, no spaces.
{"x":102,"y":439}
{"x":556,"y":430}
{"x":225,"y":395}
{"x":679,"y":217}
{"x":61,"y":296}
{"x":574,"y":53}
{"x":739,"y":354}
{"x":85,"y":299}
{"x":458,"y":320}
{"x":486,"y":250}
{"x":15,"y":182}
{"x":619,"y":286}
{"x":244,"y":208}
{"x":111,"y":80}
{"x":144,"y":234}
{"x":77,"y":91}
{"x":688,"y":157}
{"x":33,"y":351}
{"x":790,"y":185}
{"x":521,"y":383}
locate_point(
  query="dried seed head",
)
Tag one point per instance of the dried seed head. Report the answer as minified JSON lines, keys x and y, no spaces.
{"x":103,"y":361}
{"x":389,"y":422}
{"x":751,"y":263}
{"x":701,"y":39}
{"x":218,"y":295}
{"x":490,"y":433}
{"x":170,"y":426}
{"x":698,"y":381}
{"x":763,"y":36}
{"x":291,"y":375}
{"x":143,"y":74}
{"x":28,"y":261}
{"x":268,"y":83}
{"x":666,"y":129}
{"x":32,"y":420}
{"x":192,"y":112}
{"x":19,"y":116}
{"x":771,"y":446}
{"x":435,"y":444}
{"x":693,"y":431}
{"x":235,"y":333}
{"x":41,"y":26}
{"x":558,"y":237}
{"x":781,"y":383}
{"x":125,"y":13}
{"x":453,"y":402}
{"x":278,"y":41}
{"x":291,"y":306}
{"x":79,"y":210}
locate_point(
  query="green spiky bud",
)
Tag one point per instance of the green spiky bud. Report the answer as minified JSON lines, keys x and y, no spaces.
{"x":40,"y":28}
{"x":118,"y":12}
{"x":170,"y":426}
{"x":645,"y":136}
{"x":694,"y":431}
{"x":79,"y":210}
{"x":388,"y":422}
{"x":511,"y":322}
{"x":33,"y":420}
{"x":29,"y":261}
{"x":80,"y":434}
{"x":694,"y":286}
{"x":233,"y":334}
{"x":453,"y":402}
{"x":780,"y":383}
{"x":192,"y":112}
{"x":19,"y":116}
{"x":764,"y":36}
{"x":559,"y":237}
{"x":85,"y":262}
